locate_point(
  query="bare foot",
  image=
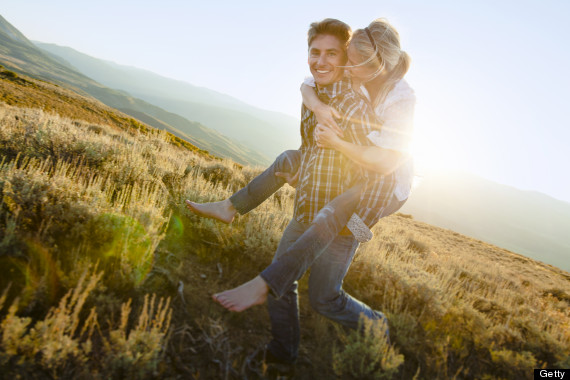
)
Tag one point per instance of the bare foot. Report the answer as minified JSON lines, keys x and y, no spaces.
{"x":223,"y":211}
{"x":243,"y":297}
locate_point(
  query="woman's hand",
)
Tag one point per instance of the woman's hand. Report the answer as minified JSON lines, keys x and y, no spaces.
{"x":327,"y":138}
{"x":326,"y":115}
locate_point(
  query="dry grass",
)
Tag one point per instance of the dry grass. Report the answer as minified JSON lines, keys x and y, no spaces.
{"x":477,"y":310}
{"x":25,"y":92}
{"x":56,"y":347}
{"x":77,"y":194}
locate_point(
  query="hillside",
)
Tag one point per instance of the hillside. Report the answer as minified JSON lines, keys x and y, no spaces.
{"x":25,"y":92}
{"x":529,"y":223}
{"x":97,"y":213}
{"x":264,"y":131}
{"x":21,"y":56}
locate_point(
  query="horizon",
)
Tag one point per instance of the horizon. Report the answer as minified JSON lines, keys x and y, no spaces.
{"x":512,"y":122}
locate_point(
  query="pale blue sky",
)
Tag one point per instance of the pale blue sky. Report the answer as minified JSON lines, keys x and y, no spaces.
{"x":491,"y":77}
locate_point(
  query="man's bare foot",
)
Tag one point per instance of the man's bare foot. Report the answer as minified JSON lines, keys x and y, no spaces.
{"x":243,"y":297}
{"x":224,"y":211}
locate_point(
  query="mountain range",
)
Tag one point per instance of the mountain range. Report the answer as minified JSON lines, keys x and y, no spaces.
{"x":18,"y":54}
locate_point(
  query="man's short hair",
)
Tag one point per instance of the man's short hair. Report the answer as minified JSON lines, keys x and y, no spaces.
{"x":332,"y":27}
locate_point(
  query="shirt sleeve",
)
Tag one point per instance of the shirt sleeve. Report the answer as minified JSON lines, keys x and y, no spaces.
{"x":309,"y":81}
{"x":359,"y":121}
{"x":397,"y":126}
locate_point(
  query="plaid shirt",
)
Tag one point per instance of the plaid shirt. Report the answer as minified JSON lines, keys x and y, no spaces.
{"x":326,"y":173}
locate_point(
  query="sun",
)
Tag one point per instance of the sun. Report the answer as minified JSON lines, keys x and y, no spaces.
{"x":428,"y":153}
{"x":432,"y":149}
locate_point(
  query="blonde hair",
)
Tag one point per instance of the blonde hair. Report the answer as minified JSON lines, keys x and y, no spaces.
{"x":387,"y":40}
{"x":332,"y":27}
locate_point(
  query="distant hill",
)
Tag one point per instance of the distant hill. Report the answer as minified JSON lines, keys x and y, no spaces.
{"x":264,"y":131}
{"x":530,"y":223}
{"x":18,"y":54}
{"x":28,"y":93}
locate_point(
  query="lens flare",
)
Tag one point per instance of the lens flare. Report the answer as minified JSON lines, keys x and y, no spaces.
{"x":176,"y":226}
{"x":124,"y":238}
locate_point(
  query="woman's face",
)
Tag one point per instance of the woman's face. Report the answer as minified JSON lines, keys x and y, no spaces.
{"x":363,"y":72}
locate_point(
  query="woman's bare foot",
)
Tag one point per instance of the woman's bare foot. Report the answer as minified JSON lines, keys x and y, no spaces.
{"x":243,"y":297}
{"x":224,"y":211}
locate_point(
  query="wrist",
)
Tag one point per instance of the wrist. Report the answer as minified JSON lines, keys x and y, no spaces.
{"x":341,"y":145}
{"x":318,"y":108}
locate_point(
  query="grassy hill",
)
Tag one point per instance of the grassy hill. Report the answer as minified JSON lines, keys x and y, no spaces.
{"x":106,"y":275}
{"x":25,"y":92}
{"x":19,"y":55}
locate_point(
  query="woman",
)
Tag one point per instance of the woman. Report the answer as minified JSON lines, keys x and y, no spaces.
{"x":376,"y":65}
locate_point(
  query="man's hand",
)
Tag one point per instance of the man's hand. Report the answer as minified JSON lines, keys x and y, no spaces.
{"x":291,"y":179}
{"x":326,"y":115}
{"x":327,"y":138}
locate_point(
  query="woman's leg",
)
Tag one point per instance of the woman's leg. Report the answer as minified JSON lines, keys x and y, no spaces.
{"x":254,"y":193}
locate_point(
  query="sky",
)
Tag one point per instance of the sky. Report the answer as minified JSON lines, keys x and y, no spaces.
{"x":491,"y":77}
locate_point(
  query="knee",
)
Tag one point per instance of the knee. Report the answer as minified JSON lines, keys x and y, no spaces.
{"x":327,"y":217}
{"x":325,"y":305}
{"x":289,"y":160}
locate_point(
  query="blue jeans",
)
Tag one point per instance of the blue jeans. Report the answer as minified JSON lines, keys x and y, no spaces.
{"x":326,"y":295}
{"x":315,"y":239}
{"x":261,"y":187}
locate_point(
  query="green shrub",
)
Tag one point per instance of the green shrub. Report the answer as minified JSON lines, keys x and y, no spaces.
{"x":10,"y":74}
{"x":222,"y":175}
{"x":120,"y":238}
{"x":366,"y":353}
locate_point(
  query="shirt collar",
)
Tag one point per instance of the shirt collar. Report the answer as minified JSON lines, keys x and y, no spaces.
{"x":335,"y":89}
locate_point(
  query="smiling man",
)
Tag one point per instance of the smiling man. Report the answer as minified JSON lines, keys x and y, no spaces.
{"x":326,"y":55}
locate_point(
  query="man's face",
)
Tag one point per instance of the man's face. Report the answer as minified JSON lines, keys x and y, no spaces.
{"x":326,"y":53}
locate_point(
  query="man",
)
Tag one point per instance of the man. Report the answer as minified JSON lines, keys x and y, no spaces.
{"x":323,"y":175}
